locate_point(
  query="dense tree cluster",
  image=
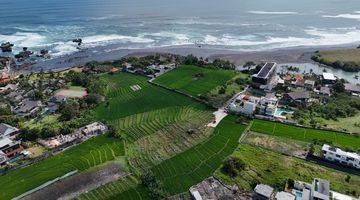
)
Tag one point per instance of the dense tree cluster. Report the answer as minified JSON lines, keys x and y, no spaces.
{"x":232,"y":166}
{"x":346,"y":66}
{"x":155,"y":187}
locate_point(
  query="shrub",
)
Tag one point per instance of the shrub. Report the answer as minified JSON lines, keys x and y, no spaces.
{"x":232,"y":166}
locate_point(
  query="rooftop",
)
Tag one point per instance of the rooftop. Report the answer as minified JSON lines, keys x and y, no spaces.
{"x":284,"y":196}
{"x":6,"y":129}
{"x":329,"y":76}
{"x":265,"y":70}
{"x":339,"y":151}
{"x":352,"y":87}
{"x":264,"y":190}
{"x":5,"y":141}
{"x":299,"y":95}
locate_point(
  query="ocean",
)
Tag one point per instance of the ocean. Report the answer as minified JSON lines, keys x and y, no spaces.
{"x":245,"y":25}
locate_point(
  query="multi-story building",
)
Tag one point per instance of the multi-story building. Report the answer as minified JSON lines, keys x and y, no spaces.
{"x":268,"y":105}
{"x":343,"y":157}
{"x":264,"y":75}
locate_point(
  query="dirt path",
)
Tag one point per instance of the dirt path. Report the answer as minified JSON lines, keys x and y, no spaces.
{"x":73,"y":186}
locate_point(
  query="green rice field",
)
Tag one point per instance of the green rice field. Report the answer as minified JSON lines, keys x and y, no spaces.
{"x":125,"y":102}
{"x":184,"y":79}
{"x":190,"y":167}
{"x":305,"y":134}
{"x":91,"y":153}
{"x":272,"y":168}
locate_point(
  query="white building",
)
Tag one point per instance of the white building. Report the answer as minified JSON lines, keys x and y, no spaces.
{"x":94,"y":128}
{"x":268,"y":105}
{"x":284,"y":196}
{"x":343,"y":157}
{"x":244,"y":104}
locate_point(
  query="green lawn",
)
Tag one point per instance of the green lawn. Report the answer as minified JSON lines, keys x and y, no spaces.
{"x":268,"y":167}
{"x":199,"y":162}
{"x":348,"y":124}
{"x":93,"y":152}
{"x":184,"y":79}
{"x":125,"y":102}
{"x":305,"y":134}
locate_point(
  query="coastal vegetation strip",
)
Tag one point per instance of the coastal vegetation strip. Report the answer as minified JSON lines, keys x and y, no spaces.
{"x":306,"y":134}
{"x":345,"y":59}
{"x":275,"y":168}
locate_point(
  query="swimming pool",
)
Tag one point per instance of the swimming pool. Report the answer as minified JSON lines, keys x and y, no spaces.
{"x":298,"y":194}
{"x":280,"y":111}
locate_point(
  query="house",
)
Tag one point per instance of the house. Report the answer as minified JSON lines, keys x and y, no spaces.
{"x":94,"y":128}
{"x":15,"y":96}
{"x":354,"y":89}
{"x":244,"y":104}
{"x":262,"y":192}
{"x":9,"y":147}
{"x":7,"y":130}
{"x":8,"y":87}
{"x":3,"y":158}
{"x":328,"y":78}
{"x":268,"y":104}
{"x":57,"y":99}
{"x":320,"y":189}
{"x":325,"y":91}
{"x":28,"y":107}
{"x":309,"y":84}
{"x":296,"y":98}
{"x":338,"y":155}
{"x":284,"y":196}
{"x":264,"y":75}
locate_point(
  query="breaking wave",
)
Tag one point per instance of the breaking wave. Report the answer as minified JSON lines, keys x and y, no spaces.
{"x":259,"y":12}
{"x":355,"y":15}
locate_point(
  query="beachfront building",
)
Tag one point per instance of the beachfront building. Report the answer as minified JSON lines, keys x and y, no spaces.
{"x":338,"y":155}
{"x":264,"y":76}
{"x":296,"y":98}
{"x":244,"y":104}
{"x":328,"y":78}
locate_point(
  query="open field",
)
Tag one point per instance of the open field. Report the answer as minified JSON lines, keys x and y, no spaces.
{"x":348,"y":123}
{"x":91,"y":153}
{"x":195,"y":80}
{"x":125,"y":188}
{"x":273,"y":168}
{"x":193,"y":165}
{"x":72,"y":92}
{"x":123,"y":101}
{"x":305,"y":134}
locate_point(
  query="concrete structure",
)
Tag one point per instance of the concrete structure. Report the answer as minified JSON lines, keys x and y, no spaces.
{"x":3,"y":158}
{"x":262,"y":192}
{"x":296,"y":98}
{"x":211,"y":188}
{"x":309,"y":84}
{"x":320,"y":189}
{"x":244,"y":104}
{"x":340,"y":156}
{"x":7,"y":130}
{"x":264,"y":75}
{"x":284,"y":196}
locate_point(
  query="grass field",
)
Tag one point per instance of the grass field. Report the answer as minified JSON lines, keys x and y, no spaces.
{"x":125,"y":102}
{"x":348,"y":123}
{"x":304,"y":134}
{"x":199,"y":162}
{"x":91,"y":153}
{"x":344,"y":55}
{"x":268,"y":167}
{"x":184,"y":79}
{"x":72,"y":92}
{"x":125,"y":188}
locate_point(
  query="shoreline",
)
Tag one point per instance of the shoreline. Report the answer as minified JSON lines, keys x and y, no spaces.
{"x":114,"y":51}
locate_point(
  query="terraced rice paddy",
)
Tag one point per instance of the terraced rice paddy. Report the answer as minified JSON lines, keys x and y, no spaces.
{"x":124,"y":188}
{"x":195,"y":80}
{"x":123,"y":101}
{"x":305,"y":134}
{"x":192,"y":166}
{"x":93,"y":152}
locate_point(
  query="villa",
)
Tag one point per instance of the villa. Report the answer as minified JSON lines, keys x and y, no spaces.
{"x":264,"y":75}
{"x":337,"y":155}
{"x":9,"y":147}
{"x":7,"y":130}
{"x":244,"y":104}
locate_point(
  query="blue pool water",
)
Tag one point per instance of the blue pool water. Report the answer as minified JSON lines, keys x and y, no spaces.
{"x":298,"y":195}
{"x":281,"y":111}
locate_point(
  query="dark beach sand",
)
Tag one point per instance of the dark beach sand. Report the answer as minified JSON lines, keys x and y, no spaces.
{"x":112,"y":52}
